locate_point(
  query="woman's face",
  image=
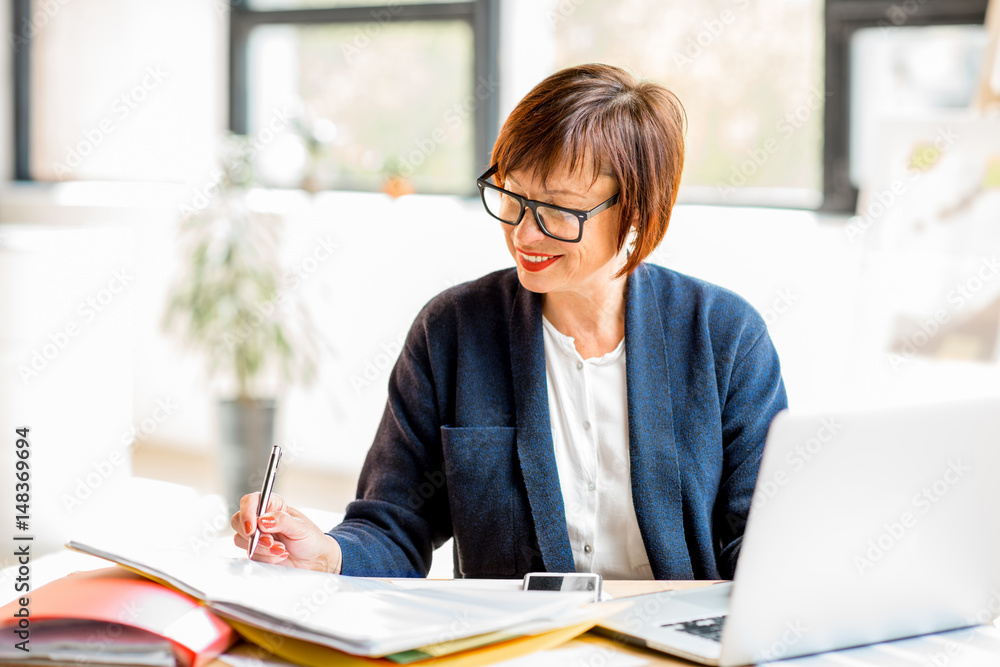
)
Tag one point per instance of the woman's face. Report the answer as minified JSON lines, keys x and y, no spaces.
{"x":545,"y":265}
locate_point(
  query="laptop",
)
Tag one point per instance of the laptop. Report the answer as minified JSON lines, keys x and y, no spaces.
{"x":864,"y":527}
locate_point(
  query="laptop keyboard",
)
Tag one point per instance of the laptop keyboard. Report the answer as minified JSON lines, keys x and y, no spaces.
{"x":709,"y":628}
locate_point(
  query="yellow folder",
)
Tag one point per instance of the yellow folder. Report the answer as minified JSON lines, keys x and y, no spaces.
{"x":313,"y":655}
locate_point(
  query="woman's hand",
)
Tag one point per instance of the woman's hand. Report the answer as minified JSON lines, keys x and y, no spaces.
{"x":287,"y":536}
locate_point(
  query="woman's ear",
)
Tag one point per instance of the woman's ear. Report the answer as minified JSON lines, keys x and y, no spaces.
{"x":633,"y":235}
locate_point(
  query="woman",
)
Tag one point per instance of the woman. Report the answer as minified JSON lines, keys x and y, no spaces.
{"x":584,"y":411}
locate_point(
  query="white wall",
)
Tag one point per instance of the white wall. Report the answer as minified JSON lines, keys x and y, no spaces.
{"x":61,"y":244}
{"x":799,"y":271}
{"x":387,"y":261}
{"x":65,"y":370}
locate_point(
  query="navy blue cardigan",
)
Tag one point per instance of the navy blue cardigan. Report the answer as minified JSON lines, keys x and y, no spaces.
{"x":465,"y":450}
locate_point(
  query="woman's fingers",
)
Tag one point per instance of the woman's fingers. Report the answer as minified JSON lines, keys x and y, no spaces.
{"x":244,"y":522}
{"x":268,"y":550}
{"x":285,"y":524}
{"x":287,"y":536}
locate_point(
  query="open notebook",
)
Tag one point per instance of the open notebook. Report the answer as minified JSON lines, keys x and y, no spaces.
{"x":366,"y":617}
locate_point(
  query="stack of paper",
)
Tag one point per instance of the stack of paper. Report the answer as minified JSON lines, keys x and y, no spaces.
{"x":75,"y":642}
{"x":363,"y":617}
{"x":111,"y":616}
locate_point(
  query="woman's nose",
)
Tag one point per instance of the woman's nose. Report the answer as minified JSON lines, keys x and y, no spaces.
{"x":528,"y":231}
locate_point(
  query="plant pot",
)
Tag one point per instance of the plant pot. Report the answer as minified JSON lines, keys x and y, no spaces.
{"x":397,"y":186}
{"x":246,"y":429}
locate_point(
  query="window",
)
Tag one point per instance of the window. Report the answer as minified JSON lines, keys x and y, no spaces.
{"x":117,"y":100}
{"x":907,"y":70}
{"x":748,"y":73}
{"x":309,"y":65}
{"x":885,"y":31}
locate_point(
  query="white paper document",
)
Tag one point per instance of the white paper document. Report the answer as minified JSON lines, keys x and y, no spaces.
{"x":361,"y":616}
{"x":85,"y":642}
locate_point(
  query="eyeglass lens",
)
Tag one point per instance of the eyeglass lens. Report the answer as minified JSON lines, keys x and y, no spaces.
{"x":506,"y":208}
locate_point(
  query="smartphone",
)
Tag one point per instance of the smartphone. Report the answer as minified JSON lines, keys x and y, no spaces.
{"x":563,"y":581}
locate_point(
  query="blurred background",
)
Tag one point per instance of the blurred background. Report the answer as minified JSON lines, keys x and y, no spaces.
{"x":219,"y":218}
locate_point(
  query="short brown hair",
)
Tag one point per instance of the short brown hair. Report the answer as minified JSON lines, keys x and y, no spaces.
{"x":601,"y":117}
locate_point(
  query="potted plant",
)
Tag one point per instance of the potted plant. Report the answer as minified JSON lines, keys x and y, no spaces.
{"x":394,"y":183}
{"x":231,"y":305}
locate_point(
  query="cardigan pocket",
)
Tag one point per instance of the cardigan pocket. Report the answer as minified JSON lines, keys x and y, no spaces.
{"x":481,"y":467}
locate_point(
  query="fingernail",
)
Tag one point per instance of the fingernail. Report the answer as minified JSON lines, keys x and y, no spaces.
{"x":268,"y":521}
{"x":247,"y":527}
{"x":277,"y":549}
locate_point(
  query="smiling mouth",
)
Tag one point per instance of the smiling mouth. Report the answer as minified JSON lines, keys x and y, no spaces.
{"x":536,"y":263}
{"x":537,"y":259}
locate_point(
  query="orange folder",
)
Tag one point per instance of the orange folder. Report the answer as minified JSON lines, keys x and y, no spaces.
{"x":116,"y":596}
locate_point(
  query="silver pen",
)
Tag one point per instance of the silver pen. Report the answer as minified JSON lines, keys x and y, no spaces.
{"x":265,"y":495}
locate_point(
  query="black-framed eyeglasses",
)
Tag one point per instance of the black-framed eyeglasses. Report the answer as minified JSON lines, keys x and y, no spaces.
{"x":558,"y":222}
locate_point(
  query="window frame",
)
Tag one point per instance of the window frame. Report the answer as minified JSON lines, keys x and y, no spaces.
{"x":21,"y":141}
{"x":843,"y":18}
{"x":481,"y":15}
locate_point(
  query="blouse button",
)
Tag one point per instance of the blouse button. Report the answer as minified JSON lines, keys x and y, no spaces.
{"x":586,"y":426}
{"x":591,"y":486}
{"x":579,"y":365}
{"x":587,"y":548}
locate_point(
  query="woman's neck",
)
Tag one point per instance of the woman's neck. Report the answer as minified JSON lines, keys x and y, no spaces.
{"x":595,"y":319}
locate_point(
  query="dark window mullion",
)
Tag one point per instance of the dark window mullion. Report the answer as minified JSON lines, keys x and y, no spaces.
{"x":22,"y":90}
{"x":486,"y":48}
{"x":239,"y":35}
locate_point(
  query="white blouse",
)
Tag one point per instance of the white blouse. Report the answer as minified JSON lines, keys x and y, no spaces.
{"x":588,"y":408}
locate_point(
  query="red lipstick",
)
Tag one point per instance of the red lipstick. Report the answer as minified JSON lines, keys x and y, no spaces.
{"x":534,"y":266}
